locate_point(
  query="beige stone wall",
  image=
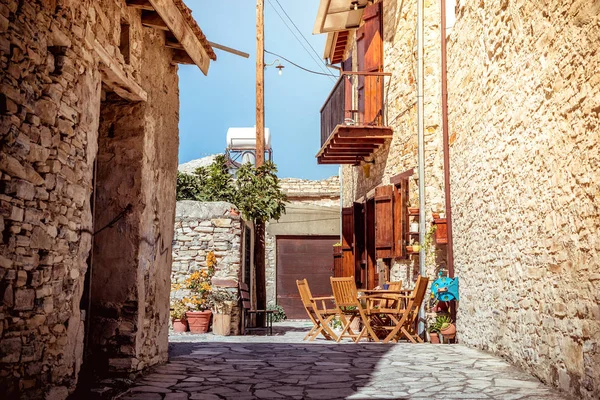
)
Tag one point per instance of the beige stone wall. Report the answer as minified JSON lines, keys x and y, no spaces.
{"x":50,"y":102}
{"x":400,"y":154}
{"x":524,"y":89}
{"x":200,"y":228}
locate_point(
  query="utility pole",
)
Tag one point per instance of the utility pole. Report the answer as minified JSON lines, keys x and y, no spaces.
{"x":259,"y":226}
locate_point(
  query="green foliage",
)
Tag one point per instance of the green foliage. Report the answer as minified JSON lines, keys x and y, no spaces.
{"x":279,"y":314}
{"x":188,"y":187}
{"x":259,"y":196}
{"x":256,"y":192}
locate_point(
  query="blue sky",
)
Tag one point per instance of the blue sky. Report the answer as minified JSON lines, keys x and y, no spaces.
{"x":226,"y":97}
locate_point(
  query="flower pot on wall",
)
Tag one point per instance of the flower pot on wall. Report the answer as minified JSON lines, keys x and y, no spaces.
{"x":199,"y":321}
{"x":222,"y":324}
{"x":434,"y":338}
{"x":180,"y":325}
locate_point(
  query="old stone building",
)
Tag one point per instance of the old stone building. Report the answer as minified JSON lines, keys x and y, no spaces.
{"x":523,"y":129}
{"x":88,"y":129}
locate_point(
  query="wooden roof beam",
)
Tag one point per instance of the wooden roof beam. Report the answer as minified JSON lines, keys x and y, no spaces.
{"x":151,"y":19}
{"x":183,"y":32}
{"x":140,"y":4}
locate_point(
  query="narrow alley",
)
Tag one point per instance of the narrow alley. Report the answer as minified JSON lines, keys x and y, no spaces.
{"x":210,"y":367}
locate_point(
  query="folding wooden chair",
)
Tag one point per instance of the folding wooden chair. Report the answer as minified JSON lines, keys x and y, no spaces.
{"x":320,"y":317}
{"x":348,"y":305}
{"x":403,"y":316}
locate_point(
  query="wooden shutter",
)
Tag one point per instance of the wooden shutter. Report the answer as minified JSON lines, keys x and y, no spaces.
{"x":348,"y":241}
{"x":359,"y":244}
{"x":384,"y":221}
{"x":369,"y":41}
{"x":372,"y":276}
{"x":400,"y":218}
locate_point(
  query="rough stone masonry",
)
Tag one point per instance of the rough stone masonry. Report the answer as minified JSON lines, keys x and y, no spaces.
{"x":525,"y":127}
{"x":87,"y":192}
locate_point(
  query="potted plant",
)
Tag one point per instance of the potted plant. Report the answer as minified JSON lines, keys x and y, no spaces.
{"x":199,"y":284}
{"x":222,"y":304}
{"x":434,"y":332}
{"x":447,"y":328}
{"x":178,"y":310}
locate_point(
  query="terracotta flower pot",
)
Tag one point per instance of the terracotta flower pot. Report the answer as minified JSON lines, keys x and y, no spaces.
{"x":449,"y":332}
{"x":199,"y":321}
{"x":180,"y":325}
{"x":434,"y":338}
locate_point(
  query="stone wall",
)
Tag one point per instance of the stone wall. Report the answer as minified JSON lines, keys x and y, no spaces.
{"x":52,"y":105}
{"x":400,"y":154}
{"x":202,"y":227}
{"x":313,"y":209}
{"x":525,"y":128}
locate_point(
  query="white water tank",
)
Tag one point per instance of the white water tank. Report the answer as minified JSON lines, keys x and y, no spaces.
{"x":245,"y":138}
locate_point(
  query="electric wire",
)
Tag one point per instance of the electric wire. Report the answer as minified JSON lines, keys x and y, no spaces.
{"x":299,"y":66}
{"x":331,"y":76}
{"x":300,"y":32}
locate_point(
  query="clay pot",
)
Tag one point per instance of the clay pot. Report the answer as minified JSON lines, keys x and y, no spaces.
{"x":234,"y":211}
{"x":180,"y":325}
{"x":199,"y":321}
{"x":449,"y":332}
{"x":434,"y":338}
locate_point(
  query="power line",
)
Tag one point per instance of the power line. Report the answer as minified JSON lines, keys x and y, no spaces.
{"x":299,"y":66}
{"x":300,"y":32}
{"x":325,"y":72}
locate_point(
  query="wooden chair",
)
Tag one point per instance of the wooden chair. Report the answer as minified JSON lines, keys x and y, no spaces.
{"x":248,"y":311}
{"x":348,"y":305}
{"x":321,"y":317}
{"x":405,"y":317}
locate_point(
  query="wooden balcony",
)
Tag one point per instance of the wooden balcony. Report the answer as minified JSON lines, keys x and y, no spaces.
{"x":353,"y":124}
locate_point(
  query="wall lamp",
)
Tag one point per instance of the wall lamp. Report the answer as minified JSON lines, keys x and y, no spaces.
{"x":366,"y":165}
{"x":278,"y":66}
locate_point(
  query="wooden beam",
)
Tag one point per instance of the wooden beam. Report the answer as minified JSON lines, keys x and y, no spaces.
{"x":396,"y":179}
{"x":229,"y":50}
{"x":151,"y":19}
{"x":140,"y":4}
{"x":182,"y":57}
{"x":115,"y":78}
{"x":182,"y":31}
{"x":173,"y":44}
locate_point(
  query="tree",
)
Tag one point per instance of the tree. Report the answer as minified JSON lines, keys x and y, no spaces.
{"x":256,"y":192}
{"x":258,"y":195}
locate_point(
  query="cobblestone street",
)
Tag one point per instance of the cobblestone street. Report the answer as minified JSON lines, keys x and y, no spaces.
{"x":208,"y":367}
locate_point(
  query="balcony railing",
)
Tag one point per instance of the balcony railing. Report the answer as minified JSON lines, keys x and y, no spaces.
{"x":357,"y":99}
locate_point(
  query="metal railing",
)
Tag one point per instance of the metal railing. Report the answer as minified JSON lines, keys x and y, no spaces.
{"x":357,"y":99}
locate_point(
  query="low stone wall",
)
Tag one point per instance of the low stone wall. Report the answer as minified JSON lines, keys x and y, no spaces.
{"x":200,"y":228}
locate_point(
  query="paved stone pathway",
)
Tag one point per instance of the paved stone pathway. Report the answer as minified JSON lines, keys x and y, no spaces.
{"x":208,"y":367}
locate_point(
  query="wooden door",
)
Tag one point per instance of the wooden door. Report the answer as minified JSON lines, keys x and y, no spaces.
{"x":300,"y":257}
{"x":401,"y":218}
{"x":369,"y":41}
{"x":372,"y":275}
{"x":360,"y":253}
{"x":347,"y":241}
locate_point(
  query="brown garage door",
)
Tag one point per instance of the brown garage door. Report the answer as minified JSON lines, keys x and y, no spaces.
{"x":300,"y":257}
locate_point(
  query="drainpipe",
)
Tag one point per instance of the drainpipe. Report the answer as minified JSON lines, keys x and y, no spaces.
{"x":421,"y":133}
{"x":446,"y":143}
